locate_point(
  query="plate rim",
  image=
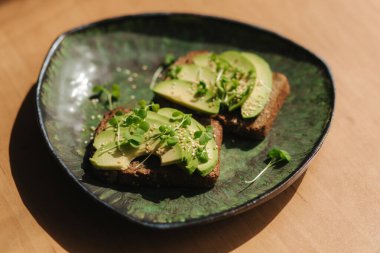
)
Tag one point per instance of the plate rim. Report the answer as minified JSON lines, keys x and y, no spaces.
{"x":273,"y":192}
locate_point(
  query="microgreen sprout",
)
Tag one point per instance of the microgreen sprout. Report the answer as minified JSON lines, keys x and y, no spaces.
{"x":184,"y":119}
{"x":174,"y":71}
{"x":169,"y":59}
{"x":134,"y":140}
{"x":112,"y":94}
{"x":171,"y":141}
{"x":276,"y":157}
{"x":202,"y":155}
{"x":204,"y":136}
{"x":155,"y":107}
{"x":201,"y":89}
{"x":142,"y":103}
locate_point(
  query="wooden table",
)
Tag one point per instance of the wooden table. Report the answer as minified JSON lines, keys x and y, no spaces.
{"x":335,"y":207}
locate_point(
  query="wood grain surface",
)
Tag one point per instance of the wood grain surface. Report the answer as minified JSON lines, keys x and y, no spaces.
{"x":335,"y":207}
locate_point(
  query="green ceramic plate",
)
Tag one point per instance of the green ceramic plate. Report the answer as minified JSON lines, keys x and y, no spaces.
{"x":127,"y":50}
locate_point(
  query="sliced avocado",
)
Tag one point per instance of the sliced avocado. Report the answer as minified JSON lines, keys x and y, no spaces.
{"x":195,"y":74}
{"x":168,"y":112}
{"x":260,"y":94}
{"x":104,"y":138}
{"x":243,"y":65}
{"x":241,"y":96}
{"x":211,"y":147}
{"x":172,"y":156}
{"x":183,"y":92}
{"x":203,"y":60}
{"x":212,"y":152}
{"x":186,"y":142}
{"x":237,"y":60}
{"x":109,"y":157}
{"x":211,"y":61}
{"x":153,"y":117}
{"x":107,"y":136}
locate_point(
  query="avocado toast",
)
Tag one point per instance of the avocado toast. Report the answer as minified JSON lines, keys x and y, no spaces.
{"x":237,"y":88}
{"x":126,"y":163}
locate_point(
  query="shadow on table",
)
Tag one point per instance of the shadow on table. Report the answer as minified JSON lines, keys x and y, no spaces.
{"x":79,"y":224}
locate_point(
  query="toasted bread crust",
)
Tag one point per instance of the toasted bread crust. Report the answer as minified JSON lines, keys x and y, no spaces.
{"x":151,"y":173}
{"x":260,"y":126}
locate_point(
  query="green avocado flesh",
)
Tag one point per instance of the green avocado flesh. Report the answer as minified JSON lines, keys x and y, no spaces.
{"x":211,"y":147}
{"x":237,"y":61}
{"x":111,"y":156}
{"x":260,"y":94}
{"x":231,"y":79}
{"x":183,"y":93}
{"x":203,"y":60}
{"x":194,"y":74}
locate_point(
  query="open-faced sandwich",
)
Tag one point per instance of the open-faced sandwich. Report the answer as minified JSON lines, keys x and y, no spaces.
{"x":235,"y":89}
{"x":126,"y":142}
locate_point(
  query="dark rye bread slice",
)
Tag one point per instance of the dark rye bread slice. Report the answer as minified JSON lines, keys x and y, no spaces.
{"x":258,"y":127}
{"x":150,"y":173}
